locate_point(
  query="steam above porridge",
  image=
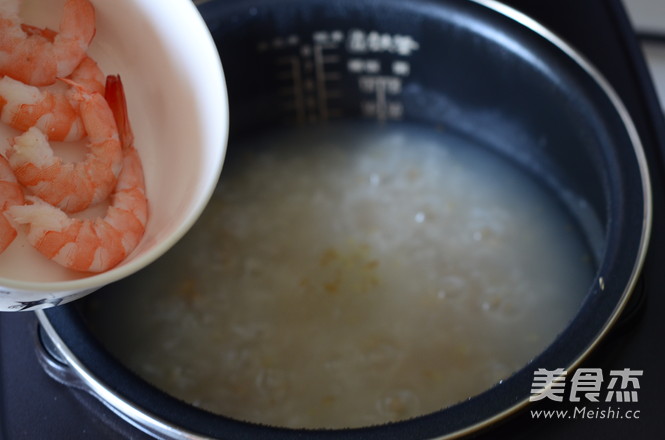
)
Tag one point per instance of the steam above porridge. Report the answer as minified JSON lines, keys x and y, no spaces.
{"x":351,"y":275}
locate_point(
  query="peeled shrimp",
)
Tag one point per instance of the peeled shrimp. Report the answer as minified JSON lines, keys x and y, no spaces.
{"x":94,"y":245}
{"x":10,"y":194}
{"x":72,"y":186}
{"x":33,"y":58}
{"x":87,"y":73}
{"x":53,"y":109}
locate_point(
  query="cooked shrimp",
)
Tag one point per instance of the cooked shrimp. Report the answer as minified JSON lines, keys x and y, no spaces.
{"x":10,"y":194}
{"x":87,"y":73}
{"x":32,"y":57}
{"x":72,"y":186}
{"x":94,"y":245}
{"x":53,"y":109}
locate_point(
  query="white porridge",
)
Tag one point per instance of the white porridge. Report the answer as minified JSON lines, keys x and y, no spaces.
{"x":349,"y":276}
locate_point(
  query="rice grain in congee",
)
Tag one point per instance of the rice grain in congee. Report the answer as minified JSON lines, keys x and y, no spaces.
{"x":352,"y":275}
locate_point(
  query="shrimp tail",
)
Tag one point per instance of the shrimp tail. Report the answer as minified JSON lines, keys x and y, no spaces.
{"x":115,"y":96}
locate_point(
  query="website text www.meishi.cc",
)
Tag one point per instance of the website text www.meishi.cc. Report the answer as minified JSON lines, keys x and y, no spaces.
{"x":587,"y":412}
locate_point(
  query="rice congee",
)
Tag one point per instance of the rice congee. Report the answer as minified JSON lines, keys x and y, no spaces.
{"x":348,"y":275}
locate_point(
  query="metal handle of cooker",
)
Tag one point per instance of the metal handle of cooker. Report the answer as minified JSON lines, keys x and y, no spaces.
{"x":54,"y":364}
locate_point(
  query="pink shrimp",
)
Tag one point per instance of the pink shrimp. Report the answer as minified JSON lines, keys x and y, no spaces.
{"x":94,"y":245}
{"x":53,"y":109}
{"x":10,"y":194}
{"x":72,"y":186}
{"x":35,"y":59}
{"x":87,"y":73}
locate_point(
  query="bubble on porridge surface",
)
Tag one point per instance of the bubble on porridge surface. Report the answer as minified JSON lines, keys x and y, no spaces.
{"x":351,"y":275}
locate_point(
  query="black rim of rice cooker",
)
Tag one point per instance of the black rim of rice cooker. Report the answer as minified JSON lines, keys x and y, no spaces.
{"x":621,"y":190}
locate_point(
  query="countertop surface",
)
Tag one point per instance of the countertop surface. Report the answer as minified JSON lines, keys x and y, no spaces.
{"x":648,"y":19}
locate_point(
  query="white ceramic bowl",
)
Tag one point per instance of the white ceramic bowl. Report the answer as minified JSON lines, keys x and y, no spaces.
{"x":178,"y":108}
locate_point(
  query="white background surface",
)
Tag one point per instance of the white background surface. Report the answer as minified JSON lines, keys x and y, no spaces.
{"x":649,"y":16}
